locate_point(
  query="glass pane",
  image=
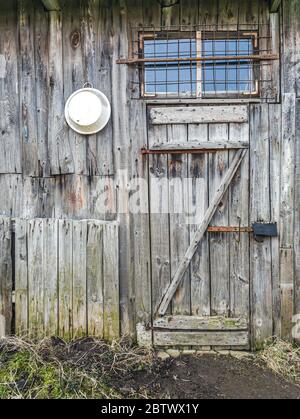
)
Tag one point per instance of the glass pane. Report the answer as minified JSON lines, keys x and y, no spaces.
{"x":174,"y":78}
{"x":227,"y":76}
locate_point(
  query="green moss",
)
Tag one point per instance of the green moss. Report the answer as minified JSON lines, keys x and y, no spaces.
{"x":24,"y":376}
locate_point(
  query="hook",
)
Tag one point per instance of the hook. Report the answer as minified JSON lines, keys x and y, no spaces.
{"x":88,"y":85}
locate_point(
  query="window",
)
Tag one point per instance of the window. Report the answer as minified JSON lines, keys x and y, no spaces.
{"x":209,"y":64}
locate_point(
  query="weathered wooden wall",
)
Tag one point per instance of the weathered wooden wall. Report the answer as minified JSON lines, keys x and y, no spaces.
{"x":47,"y":171}
{"x":66,"y":277}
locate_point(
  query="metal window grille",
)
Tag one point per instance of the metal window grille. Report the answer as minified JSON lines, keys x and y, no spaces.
{"x":203,"y":61}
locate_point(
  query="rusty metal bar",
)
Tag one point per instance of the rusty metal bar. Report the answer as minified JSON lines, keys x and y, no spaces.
{"x":261,"y":57}
{"x":230,"y":230}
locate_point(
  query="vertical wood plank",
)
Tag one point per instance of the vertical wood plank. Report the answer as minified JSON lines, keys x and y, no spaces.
{"x":122,"y":152}
{"x":36,"y":278}
{"x":297,"y":211}
{"x":239,"y":243}
{"x":73,"y":76}
{"x":198,"y":198}
{"x":10,"y":144}
{"x":170,"y":14}
{"x":275,"y":128}
{"x":95,"y":278}
{"x":6,"y":311}
{"x":140,"y":187}
{"x":287,"y":214}
{"x":159,"y":217}
{"x":65,"y":299}
{"x":21,"y":276}
{"x":79,"y":279}
{"x":28,"y":90}
{"x":50,"y":274}
{"x":179,"y":227}
{"x":219,"y":242}
{"x":101,"y":160}
{"x":41,"y":39}
{"x":260,"y":253}
{"x":61,"y":159}
{"x":111,"y":282}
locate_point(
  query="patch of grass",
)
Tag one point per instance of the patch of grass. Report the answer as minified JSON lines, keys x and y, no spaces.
{"x":282,"y":358}
{"x":53,"y":369}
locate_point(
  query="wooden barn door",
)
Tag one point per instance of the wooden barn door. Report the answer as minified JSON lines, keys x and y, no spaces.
{"x":199,"y":203}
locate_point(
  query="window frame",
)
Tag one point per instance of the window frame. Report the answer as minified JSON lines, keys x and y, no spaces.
{"x":199,"y":36}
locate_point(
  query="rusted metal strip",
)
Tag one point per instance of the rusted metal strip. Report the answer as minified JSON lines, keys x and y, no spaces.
{"x":254,"y":57}
{"x":230,"y":229}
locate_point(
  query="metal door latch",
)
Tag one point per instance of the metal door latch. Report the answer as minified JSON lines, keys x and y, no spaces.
{"x":262,"y":230}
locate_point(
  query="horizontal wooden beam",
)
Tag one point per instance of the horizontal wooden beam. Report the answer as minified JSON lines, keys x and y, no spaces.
{"x":199,"y":115}
{"x":200,"y":323}
{"x":52,"y":5}
{"x":275,"y":4}
{"x":194,"y":147}
{"x":213,"y":338}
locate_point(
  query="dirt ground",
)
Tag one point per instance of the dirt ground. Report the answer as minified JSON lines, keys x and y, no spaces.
{"x":208,"y":377}
{"x":95,"y":369}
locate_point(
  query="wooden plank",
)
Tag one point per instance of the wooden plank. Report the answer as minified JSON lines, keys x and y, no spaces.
{"x":275,"y":4}
{"x":51,"y":5}
{"x":260,"y":253}
{"x":297,"y":212}
{"x":10,"y":146}
{"x":21,"y":276}
{"x":287,"y":212}
{"x":276,"y":48}
{"x":200,"y":323}
{"x":50,"y":274}
{"x":79,"y":279}
{"x":198,"y":197}
{"x":73,"y":76}
{"x":140,"y":217}
{"x":28,"y":89}
{"x":219,"y":243}
{"x":290,"y":46}
{"x":275,"y":128}
{"x":239,"y":243}
{"x":6,"y":285}
{"x":159,"y":217}
{"x":179,"y":226}
{"x":197,"y":146}
{"x":97,"y":53}
{"x":222,"y":339}
{"x":61,"y":159}
{"x":170,"y":14}
{"x":65,"y":279}
{"x":198,"y":115}
{"x":201,"y":231}
{"x":121,"y":133}
{"x":36,"y":279}
{"x":228,"y":15}
{"x":111,"y":281}
{"x":41,"y":38}
{"x":95,"y":279}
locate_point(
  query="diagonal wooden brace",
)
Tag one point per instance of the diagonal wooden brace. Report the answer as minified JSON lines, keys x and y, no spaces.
{"x":184,"y":264}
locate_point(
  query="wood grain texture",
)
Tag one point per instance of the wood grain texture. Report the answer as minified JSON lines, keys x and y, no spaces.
{"x":6,"y":280}
{"x":222,"y":339}
{"x":67,"y":278}
{"x":10,"y":144}
{"x":198,"y":115}
{"x":260,"y":253}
